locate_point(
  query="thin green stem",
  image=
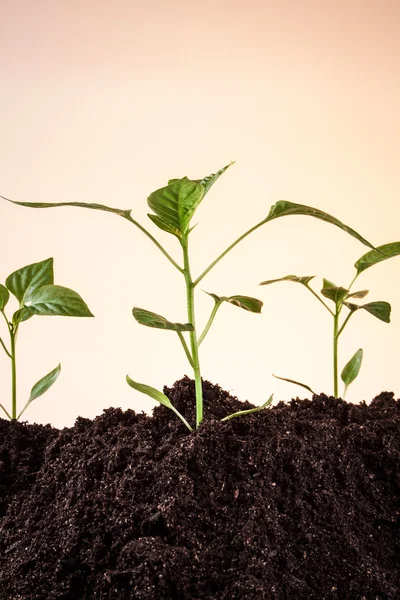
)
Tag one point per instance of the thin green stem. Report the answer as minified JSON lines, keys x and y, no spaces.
{"x":209,"y":322}
{"x":193,"y":337}
{"x":182,"y":418}
{"x":13,"y":376}
{"x":335,"y":352}
{"x":345,"y":323}
{"x":320,"y":299}
{"x":186,"y":349}
{"x":6,"y":411}
{"x":5,"y":349}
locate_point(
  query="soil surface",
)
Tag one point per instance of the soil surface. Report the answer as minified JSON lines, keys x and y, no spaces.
{"x":301,"y":501}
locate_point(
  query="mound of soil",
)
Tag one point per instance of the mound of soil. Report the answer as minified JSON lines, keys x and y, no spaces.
{"x":301,"y":501}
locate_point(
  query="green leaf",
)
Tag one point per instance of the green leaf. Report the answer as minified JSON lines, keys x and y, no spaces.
{"x":4,"y":296}
{"x":42,"y":386}
{"x":245,"y":302}
{"x":284,"y":208}
{"x":117,"y":211}
{"x":378,"y":255}
{"x":22,"y":314}
{"x":156,"y":395}
{"x":352,"y":369}
{"x":175,"y":204}
{"x":381,"y":310}
{"x":303,"y":280}
{"x":360,"y":294}
{"x":208,"y":181}
{"x":55,"y":300}
{"x":303,"y":385}
{"x":25,"y":281}
{"x":333,"y":292}
{"x":150,"y":319}
{"x":249,"y":411}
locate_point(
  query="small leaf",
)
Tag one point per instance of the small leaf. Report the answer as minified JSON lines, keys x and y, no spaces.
{"x":303,"y":385}
{"x":284,"y":208}
{"x":246,"y":302}
{"x":150,"y":319}
{"x":352,"y":369}
{"x":25,"y":281}
{"x":376,"y":256}
{"x":158,"y":396}
{"x":249,"y":411}
{"x":175,"y":204}
{"x":45,"y":383}
{"x":22,"y":314}
{"x":117,"y":211}
{"x":333,"y":292}
{"x":360,"y":294}
{"x":4,"y":296}
{"x":208,"y":182}
{"x":381,"y":310}
{"x":304,"y":280}
{"x":55,"y":300}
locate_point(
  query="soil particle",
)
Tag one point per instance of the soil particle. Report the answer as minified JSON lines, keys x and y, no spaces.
{"x":297,"y":502}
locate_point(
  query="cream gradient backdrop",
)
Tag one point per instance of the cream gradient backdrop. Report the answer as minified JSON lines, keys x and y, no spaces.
{"x":103,"y":102}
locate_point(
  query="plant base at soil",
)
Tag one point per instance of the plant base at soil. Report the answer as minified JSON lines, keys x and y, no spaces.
{"x":301,"y":501}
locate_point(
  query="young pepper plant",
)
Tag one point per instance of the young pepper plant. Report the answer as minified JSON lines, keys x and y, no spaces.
{"x":172,"y":209}
{"x":343,"y":298}
{"x":34,"y":289}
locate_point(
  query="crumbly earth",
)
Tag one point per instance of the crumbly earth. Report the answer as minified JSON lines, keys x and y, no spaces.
{"x":301,"y":501}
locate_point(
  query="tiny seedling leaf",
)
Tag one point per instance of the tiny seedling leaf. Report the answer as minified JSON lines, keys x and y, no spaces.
{"x":24,"y":282}
{"x":303,"y":385}
{"x":150,"y":319}
{"x":249,"y":411}
{"x":158,"y":396}
{"x":284,"y":208}
{"x":377,"y":255}
{"x":352,"y":369}
{"x":42,"y":386}
{"x":55,"y":300}
{"x":246,"y":302}
{"x":175,"y":205}
{"x":303,"y":280}
{"x":4,"y":296}
{"x":360,"y":294}
{"x":333,"y":292}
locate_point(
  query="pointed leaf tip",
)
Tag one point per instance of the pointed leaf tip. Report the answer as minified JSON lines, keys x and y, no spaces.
{"x":150,"y":319}
{"x":352,"y":368}
{"x":246,"y":302}
{"x":377,"y":255}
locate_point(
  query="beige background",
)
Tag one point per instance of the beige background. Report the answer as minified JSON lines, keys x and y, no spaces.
{"x":103,"y":102}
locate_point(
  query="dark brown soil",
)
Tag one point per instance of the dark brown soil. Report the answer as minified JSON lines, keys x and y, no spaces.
{"x":301,"y":501}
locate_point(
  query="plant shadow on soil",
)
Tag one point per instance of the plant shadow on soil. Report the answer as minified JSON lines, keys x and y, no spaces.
{"x":301,"y":501}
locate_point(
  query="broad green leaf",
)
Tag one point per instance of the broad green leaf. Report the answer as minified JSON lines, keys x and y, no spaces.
{"x":150,"y":319}
{"x":25,"y":281}
{"x":42,"y":386}
{"x":4,"y":296}
{"x":303,"y":280}
{"x":352,"y":369}
{"x":284,"y":208}
{"x":22,"y":314}
{"x":56,"y":300}
{"x":333,"y":292}
{"x":249,"y":411}
{"x":117,"y":211}
{"x":208,"y":181}
{"x":381,"y":310}
{"x":378,"y":255}
{"x":245,"y":302}
{"x":175,"y":204}
{"x":360,"y":294}
{"x":303,"y":385}
{"x":158,"y":396}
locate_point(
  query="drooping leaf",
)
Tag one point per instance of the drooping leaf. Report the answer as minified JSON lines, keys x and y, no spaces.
{"x":158,"y":396}
{"x":250,"y":410}
{"x":150,"y":319}
{"x":303,"y":280}
{"x":42,"y":386}
{"x":376,"y":256}
{"x":175,"y":204}
{"x":352,"y":368}
{"x":118,"y":211}
{"x":55,"y":300}
{"x":333,"y":292}
{"x":4,"y":296}
{"x":303,"y":385}
{"x":284,"y":208}
{"x":381,"y":310}
{"x":25,"y":281}
{"x":245,"y":302}
{"x":360,"y":294}
{"x":208,"y":181}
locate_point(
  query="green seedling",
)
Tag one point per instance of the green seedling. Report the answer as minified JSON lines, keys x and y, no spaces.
{"x":343,"y":299}
{"x":33,"y":288}
{"x":172,"y":209}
